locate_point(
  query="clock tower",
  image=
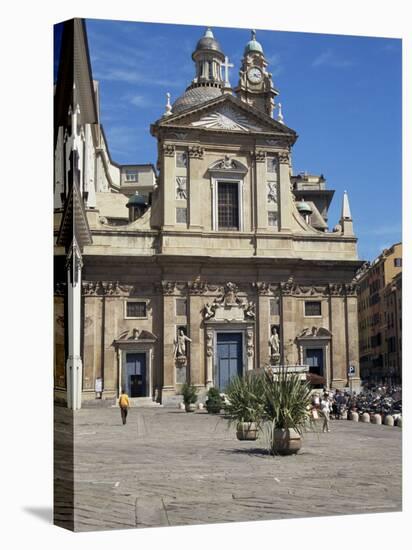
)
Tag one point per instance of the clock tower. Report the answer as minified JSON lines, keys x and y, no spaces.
{"x":255,"y":82}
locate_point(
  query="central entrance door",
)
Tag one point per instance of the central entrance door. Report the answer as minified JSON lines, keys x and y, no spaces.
{"x":314,"y":358}
{"x":136,"y":374}
{"x":229,"y":358}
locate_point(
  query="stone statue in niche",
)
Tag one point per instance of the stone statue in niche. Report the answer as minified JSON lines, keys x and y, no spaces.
{"x":180,"y":347}
{"x":274,"y":344}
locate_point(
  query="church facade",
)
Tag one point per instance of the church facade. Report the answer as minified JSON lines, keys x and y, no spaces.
{"x":217,"y":262}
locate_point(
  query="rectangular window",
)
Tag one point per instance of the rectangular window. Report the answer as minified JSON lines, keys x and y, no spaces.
{"x":274,"y":306}
{"x":397,"y":262}
{"x":181,"y":215}
{"x":272,"y":219}
{"x":228,"y":206}
{"x":136,"y":309}
{"x":181,"y":159}
{"x":181,"y":307}
{"x":131,"y":175}
{"x":313,"y":309}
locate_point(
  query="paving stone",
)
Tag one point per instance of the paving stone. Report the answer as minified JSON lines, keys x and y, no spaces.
{"x":167,"y":467}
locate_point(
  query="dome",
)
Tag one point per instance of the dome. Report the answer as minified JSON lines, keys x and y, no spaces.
{"x":136,"y":200}
{"x":253,"y":45}
{"x":208,"y":43}
{"x":304,"y":207}
{"x":195,"y":96}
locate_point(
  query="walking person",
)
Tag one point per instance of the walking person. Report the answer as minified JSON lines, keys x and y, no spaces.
{"x":124,"y":405}
{"x":325,"y":412}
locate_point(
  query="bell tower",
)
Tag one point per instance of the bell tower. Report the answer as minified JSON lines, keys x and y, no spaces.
{"x":255,"y":82}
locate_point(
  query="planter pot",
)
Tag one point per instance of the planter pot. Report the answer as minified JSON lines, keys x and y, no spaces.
{"x":213,"y":410}
{"x":246,"y":431}
{"x":190,"y":407}
{"x":286,"y":441}
{"x":389,"y":421}
{"x":353,"y":415}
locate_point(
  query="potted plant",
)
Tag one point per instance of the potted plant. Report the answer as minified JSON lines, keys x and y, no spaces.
{"x":214,"y":402}
{"x":287,"y":401}
{"x":189,"y":394}
{"x":244,"y":405}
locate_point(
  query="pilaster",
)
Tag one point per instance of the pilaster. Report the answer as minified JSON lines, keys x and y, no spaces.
{"x":261,"y":192}
{"x":169,"y":186}
{"x":195,"y":156}
{"x":196,"y":360}
{"x":285,"y":194}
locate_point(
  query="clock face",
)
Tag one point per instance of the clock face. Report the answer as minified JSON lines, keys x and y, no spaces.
{"x":254,"y":75}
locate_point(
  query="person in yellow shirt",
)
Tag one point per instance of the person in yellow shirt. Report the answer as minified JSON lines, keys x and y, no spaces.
{"x":124,"y":405}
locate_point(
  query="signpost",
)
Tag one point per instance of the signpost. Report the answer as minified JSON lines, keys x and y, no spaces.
{"x":351,"y":374}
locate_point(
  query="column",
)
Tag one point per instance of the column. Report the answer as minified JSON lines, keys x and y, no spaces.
{"x":74,"y":367}
{"x":195,"y":165}
{"x":196,"y":359}
{"x":285,"y":194}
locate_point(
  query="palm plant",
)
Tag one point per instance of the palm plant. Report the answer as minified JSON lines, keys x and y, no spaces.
{"x":189,"y":394}
{"x":287,"y":400}
{"x":245,"y":399}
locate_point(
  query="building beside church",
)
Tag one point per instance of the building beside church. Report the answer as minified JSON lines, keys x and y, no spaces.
{"x":380,"y":317}
{"x":218,"y":261}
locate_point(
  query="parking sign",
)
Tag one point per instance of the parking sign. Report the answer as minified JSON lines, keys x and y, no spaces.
{"x":351,"y":370}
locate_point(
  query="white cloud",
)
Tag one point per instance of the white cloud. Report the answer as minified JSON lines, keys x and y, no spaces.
{"x":330,"y":59}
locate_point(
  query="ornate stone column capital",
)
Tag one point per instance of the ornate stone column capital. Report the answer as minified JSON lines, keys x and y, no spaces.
{"x":195,"y":152}
{"x":168,"y":150}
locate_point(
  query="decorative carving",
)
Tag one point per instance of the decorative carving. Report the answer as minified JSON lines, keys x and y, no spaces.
{"x":288,"y":286}
{"x":272,"y":192}
{"x":209,"y":343}
{"x":195,"y":152}
{"x":226,"y":118}
{"x":283,"y":157}
{"x":314,"y":332}
{"x":335,"y":289}
{"x":351,"y":289}
{"x":249,"y":343}
{"x":209,"y":310}
{"x":115,"y":289}
{"x":181,"y":187}
{"x":168,"y":287}
{"x":168,"y":150}
{"x":249,"y":309}
{"x":91,"y":288}
{"x":275,"y":142}
{"x":361,"y":271}
{"x":197,"y":287}
{"x":179,"y":135}
{"x":260,"y":156}
{"x":263,"y":289}
{"x":230,"y":296}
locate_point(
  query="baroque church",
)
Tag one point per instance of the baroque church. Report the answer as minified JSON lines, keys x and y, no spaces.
{"x":216,"y":262}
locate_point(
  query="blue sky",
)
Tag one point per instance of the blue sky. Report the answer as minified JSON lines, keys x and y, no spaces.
{"x":341,"y":94}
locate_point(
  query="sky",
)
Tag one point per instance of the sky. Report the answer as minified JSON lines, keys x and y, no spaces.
{"x":341,"y":94}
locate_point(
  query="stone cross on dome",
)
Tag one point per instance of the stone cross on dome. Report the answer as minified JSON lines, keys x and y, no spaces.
{"x":226,"y":65}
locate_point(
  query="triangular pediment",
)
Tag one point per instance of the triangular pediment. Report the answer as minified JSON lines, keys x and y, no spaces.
{"x":226,"y":113}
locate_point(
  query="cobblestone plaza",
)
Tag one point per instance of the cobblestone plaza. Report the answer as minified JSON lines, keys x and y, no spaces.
{"x":166,"y":467}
